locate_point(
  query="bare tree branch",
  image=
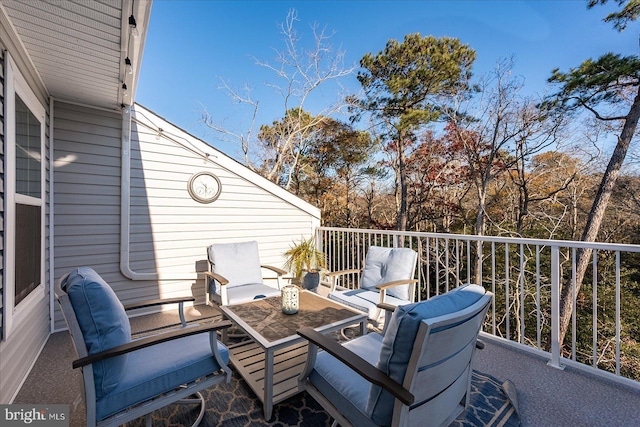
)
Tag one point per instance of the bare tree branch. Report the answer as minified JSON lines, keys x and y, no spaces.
{"x":299,"y":72}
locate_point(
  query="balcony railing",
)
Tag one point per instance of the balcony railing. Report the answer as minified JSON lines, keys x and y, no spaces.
{"x":526,"y":277}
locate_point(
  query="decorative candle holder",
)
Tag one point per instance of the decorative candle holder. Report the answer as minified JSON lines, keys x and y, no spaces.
{"x":290,"y":299}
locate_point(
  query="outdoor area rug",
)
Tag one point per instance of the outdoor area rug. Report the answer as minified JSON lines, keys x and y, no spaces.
{"x":235,"y":405}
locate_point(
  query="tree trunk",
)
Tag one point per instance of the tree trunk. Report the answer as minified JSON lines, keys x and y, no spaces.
{"x":480,"y":231}
{"x":574,"y":214}
{"x":347,"y":200}
{"x":597,"y":213}
{"x":401,"y":188}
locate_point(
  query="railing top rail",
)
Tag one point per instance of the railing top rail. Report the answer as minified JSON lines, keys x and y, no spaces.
{"x":515,"y":240}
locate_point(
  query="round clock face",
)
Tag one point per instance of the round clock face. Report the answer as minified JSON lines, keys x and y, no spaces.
{"x":204,"y":187}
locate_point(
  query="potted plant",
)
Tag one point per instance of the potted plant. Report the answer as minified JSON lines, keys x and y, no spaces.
{"x":305,"y":261}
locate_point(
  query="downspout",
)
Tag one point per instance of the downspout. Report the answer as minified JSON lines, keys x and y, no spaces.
{"x":125,"y":212}
{"x":52,"y":276}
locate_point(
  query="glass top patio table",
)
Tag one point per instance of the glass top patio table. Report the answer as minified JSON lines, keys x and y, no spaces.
{"x":265,"y":317}
{"x":275,"y":356}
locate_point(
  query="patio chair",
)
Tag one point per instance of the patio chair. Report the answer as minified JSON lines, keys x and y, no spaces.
{"x":236,"y":274}
{"x":418,"y":373}
{"x":125,"y":379}
{"x":386,"y":277}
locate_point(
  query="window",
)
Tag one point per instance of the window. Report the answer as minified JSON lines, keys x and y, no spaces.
{"x":28,"y":242}
{"x":28,"y":151}
{"x":24,"y":200}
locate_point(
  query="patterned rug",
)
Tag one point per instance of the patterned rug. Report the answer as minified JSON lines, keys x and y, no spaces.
{"x":235,"y":405}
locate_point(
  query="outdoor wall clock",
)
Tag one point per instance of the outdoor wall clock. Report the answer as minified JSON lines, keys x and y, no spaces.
{"x":204,"y":187}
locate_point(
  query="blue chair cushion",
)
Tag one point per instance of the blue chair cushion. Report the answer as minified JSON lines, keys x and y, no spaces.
{"x":103,"y":322}
{"x":160,"y":368}
{"x":383,"y":265}
{"x":397,"y":344}
{"x":363,"y":300}
{"x":345,"y":389}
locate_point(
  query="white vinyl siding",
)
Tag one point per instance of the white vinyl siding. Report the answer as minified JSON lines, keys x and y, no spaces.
{"x":169,"y":231}
{"x":87,"y":192}
{"x":21,"y":349}
{"x":23,"y":342}
{"x":183,"y":227}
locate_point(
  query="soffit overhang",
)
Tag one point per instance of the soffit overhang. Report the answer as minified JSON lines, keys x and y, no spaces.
{"x":79,"y":48}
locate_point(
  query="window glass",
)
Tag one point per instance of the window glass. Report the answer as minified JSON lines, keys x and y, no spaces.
{"x":28,"y":210}
{"x":28,"y":151}
{"x":28,"y":253}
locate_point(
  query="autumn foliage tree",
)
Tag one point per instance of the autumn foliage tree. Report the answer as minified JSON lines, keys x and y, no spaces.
{"x":335,"y":161}
{"x":283,"y":143}
{"x":405,"y":86}
{"x":497,"y":130}
{"x":434,"y":174}
{"x":548,"y":196}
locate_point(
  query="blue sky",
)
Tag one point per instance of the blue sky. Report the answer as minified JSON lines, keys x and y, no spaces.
{"x":191,"y":45}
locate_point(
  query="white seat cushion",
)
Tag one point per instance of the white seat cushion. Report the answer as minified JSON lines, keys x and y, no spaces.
{"x":383,"y":265}
{"x":246,"y":293}
{"x":364,"y":300}
{"x":346,"y":390}
{"x":239,"y":263}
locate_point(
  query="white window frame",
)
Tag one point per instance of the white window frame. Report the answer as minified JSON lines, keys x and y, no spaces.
{"x":16,"y":84}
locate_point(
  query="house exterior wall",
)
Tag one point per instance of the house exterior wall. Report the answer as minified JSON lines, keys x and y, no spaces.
{"x":168,"y":231}
{"x":2,"y":182}
{"x":86,"y":180}
{"x":248,"y":208}
{"x":20,"y":347}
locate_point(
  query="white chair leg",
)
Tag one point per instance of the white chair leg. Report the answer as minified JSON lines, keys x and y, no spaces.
{"x":343,"y":335}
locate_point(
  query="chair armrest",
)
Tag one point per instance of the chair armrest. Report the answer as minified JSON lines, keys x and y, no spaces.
{"x":177,"y":300}
{"x":333,"y":277}
{"x":343,"y":272}
{"x":389,"y":309}
{"x":152,"y":303}
{"x":218,"y":278}
{"x":149,"y":341}
{"x":395,"y":283}
{"x":384,"y":286}
{"x":386,"y":307}
{"x":358,"y":364}
{"x":277,"y":270}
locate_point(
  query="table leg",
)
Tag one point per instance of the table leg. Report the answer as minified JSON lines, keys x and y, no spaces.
{"x":268,"y":384}
{"x":223,"y":334}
